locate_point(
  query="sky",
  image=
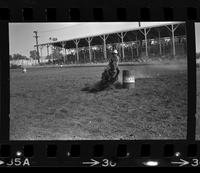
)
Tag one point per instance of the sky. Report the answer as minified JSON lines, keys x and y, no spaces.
{"x":21,"y":38}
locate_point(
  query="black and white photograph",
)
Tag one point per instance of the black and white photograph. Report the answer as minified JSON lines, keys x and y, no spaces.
{"x":197,"y":34}
{"x":99,"y":81}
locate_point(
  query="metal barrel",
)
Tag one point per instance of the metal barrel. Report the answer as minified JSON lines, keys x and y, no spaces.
{"x":128,"y":79}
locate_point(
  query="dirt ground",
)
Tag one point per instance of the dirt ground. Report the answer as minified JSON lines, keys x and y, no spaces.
{"x":198,"y":106}
{"x":48,"y":104}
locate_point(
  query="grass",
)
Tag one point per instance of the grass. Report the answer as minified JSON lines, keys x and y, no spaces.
{"x":48,"y":104}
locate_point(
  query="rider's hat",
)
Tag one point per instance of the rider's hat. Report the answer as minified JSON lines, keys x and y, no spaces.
{"x":115,"y":51}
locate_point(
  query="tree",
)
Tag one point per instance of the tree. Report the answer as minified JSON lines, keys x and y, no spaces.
{"x":33,"y":54}
{"x":56,"y":53}
{"x":48,"y":57}
{"x":18,"y":57}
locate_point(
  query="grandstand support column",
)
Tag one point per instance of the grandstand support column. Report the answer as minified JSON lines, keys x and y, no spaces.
{"x":84,"y":56}
{"x":132,"y":51}
{"x":172,"y":30}
{"x":122,"y":35}
{"x":47,"y":49}
{"x":159,"y":42}
{"x":52,"y":50}
{"x":63,"y":47}
{"x":77,"y":53}
{"x":89,"y":40}
{"x":146,"y":43}
{"x":94,"y":56}
{"x":173,"y":42}
{"x":104,"y":38}
{"x":41,"y":51}
{"x":65,"y":56}
{"x":137,"y":45}
{"x":145,"y":33}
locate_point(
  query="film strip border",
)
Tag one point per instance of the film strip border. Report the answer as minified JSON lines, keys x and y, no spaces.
{"x":28,"y":14}
{"x":102,"y":153}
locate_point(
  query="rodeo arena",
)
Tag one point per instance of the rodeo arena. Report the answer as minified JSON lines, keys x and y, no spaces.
{"x":141,"y":73}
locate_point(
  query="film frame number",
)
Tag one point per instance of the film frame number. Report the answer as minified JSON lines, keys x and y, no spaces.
{"x":195,"y":162}
{"x":108,"y":163}
{"x":18,"y":162}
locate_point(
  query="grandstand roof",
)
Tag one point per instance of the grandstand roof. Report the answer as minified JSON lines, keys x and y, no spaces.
{"x":114,"y":38}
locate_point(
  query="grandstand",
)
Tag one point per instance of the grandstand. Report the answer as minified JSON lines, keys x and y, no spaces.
{"x":137,"y":44}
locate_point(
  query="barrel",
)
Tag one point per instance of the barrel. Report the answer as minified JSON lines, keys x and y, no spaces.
{"x":128,"y":79}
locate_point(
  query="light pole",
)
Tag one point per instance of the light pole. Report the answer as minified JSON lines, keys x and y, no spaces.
{"x":36,"y":38}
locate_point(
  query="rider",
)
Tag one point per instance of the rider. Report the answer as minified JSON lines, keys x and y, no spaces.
{"x":110,"y":75}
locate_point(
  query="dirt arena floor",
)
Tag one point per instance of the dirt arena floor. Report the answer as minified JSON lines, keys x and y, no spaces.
{"x":48,"y":104}
{"x":198,"y":106}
